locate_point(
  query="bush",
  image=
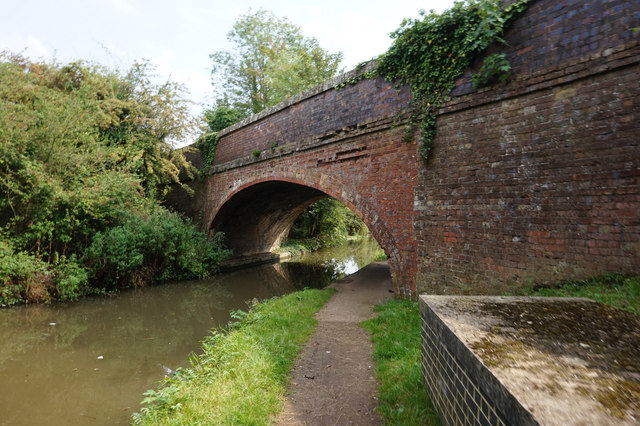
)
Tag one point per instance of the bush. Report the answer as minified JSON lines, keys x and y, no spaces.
{"x":22,"y":276}
{"x":152,"y":247}
{"x":326,"y":223}
{"x":71,"y":279}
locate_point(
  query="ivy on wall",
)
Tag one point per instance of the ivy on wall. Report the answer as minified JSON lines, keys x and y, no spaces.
{"x":431,"y":53}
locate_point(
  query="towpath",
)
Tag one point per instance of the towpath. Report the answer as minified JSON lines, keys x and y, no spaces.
{"x":334,"y":379}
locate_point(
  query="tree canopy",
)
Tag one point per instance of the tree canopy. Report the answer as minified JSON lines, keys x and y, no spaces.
{"x":270,"y":60}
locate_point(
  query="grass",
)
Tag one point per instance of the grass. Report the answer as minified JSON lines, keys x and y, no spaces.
{"x":242,"y":375}
{"x":403,"y":398}
{"x":295,"y":248}
{"x":380,"y":257}
{"x":619,"y":291}
{"x":396,"y":335}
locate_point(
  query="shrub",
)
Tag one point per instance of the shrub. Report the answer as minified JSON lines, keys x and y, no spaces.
{"x":326,"y":223}
{"x":22,"y":276}
{"x":71,"y":279}
{"x":154,"y":246}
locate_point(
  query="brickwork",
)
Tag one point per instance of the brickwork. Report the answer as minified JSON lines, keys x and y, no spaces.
{"x":533,"y":180}
{"x":537,"y":180}
{"x":367,"y":167}
{"x":321,"y":112}
{"x":461,"y":388}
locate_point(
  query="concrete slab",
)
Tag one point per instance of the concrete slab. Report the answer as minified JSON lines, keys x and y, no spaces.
{"x":566,"y":361}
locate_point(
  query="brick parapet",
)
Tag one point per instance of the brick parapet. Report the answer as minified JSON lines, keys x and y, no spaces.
{"x":310,"y":118}
{"x":328,"y":85}
{"x":590,"y":66}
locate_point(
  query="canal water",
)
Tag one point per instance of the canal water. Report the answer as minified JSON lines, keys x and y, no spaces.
{"x":89,"y":362}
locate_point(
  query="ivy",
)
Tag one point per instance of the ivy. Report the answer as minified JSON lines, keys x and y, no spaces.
{"x":207,"y":145}
{"x":431,"y":53}
{"x":359,"y":76}
{"x":220,"y":118}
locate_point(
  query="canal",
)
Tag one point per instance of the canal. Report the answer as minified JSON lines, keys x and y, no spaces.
{"x":89,"y":362}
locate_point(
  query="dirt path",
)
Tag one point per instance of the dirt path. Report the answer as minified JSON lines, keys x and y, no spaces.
{"x":334,"y":380}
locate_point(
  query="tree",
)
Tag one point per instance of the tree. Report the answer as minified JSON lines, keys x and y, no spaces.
{"x":326,"y":223}
{"x":222,"y":117}
{"x":271,"y":60}
{"x":146,"y":119}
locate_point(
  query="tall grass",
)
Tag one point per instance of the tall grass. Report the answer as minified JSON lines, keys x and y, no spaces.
{"x":241,"y":376}
{"x":403,"y":396}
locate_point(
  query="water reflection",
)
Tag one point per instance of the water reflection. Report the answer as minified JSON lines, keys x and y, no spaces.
{"x":89,"y":362}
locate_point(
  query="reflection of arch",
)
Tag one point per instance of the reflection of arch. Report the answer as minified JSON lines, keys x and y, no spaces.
{"x":256,"y":215}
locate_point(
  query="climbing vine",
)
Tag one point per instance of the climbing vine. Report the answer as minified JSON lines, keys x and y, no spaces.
{"x":430,"y":53}
{"x":207,"y":145}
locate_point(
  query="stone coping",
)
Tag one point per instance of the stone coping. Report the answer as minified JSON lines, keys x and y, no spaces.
{"x":567,"y":361}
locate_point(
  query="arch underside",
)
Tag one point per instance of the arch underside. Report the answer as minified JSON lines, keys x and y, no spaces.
{"x":256,"y":219}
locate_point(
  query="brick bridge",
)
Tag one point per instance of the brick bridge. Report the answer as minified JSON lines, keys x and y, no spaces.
{"x":533,"y":180}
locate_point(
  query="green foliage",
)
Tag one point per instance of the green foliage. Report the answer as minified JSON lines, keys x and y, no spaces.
{"x":617,"y":290}
{"x":270,"y":61}
{"x":217,"y":119}
{"x":19,"y":272}
{"x":326,"y":223}
{"x":256,"y":153}
{"x":429,"y":55}
{"x":494,"y":68}
{"x":381,"y":257}
{"x":77,"y":144}
{"x":207,"y":145}
{"x":396,"y":337}
{"x":82,"y":149}
{"x":222,"y":117}
{"x":71,"y":279}
{"x":242,"y":373}
{"x":146,"y":248}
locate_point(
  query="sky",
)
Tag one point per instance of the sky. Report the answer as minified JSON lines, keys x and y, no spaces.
{"x":177,"y":36}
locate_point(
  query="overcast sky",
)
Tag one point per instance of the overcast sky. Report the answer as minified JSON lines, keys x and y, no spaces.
{"x":178,"y":35}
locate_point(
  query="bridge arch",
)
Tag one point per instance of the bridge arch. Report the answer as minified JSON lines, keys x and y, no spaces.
{"x":530,"y":180}
{"x":255,"y":216}
{"x":328,"y":142}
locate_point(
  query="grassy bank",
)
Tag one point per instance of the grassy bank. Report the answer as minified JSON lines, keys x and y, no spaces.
{"x":396,"y":335}
{"x":619,"y":291}
{"x":403,"y":396}
{"x":241,"y":376}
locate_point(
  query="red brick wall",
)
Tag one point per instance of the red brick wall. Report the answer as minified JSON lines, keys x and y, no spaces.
{"x":538,"y":180}
{"x":534,"y":180}
{"x":326,"y":112}
{"x":369,"y":170}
